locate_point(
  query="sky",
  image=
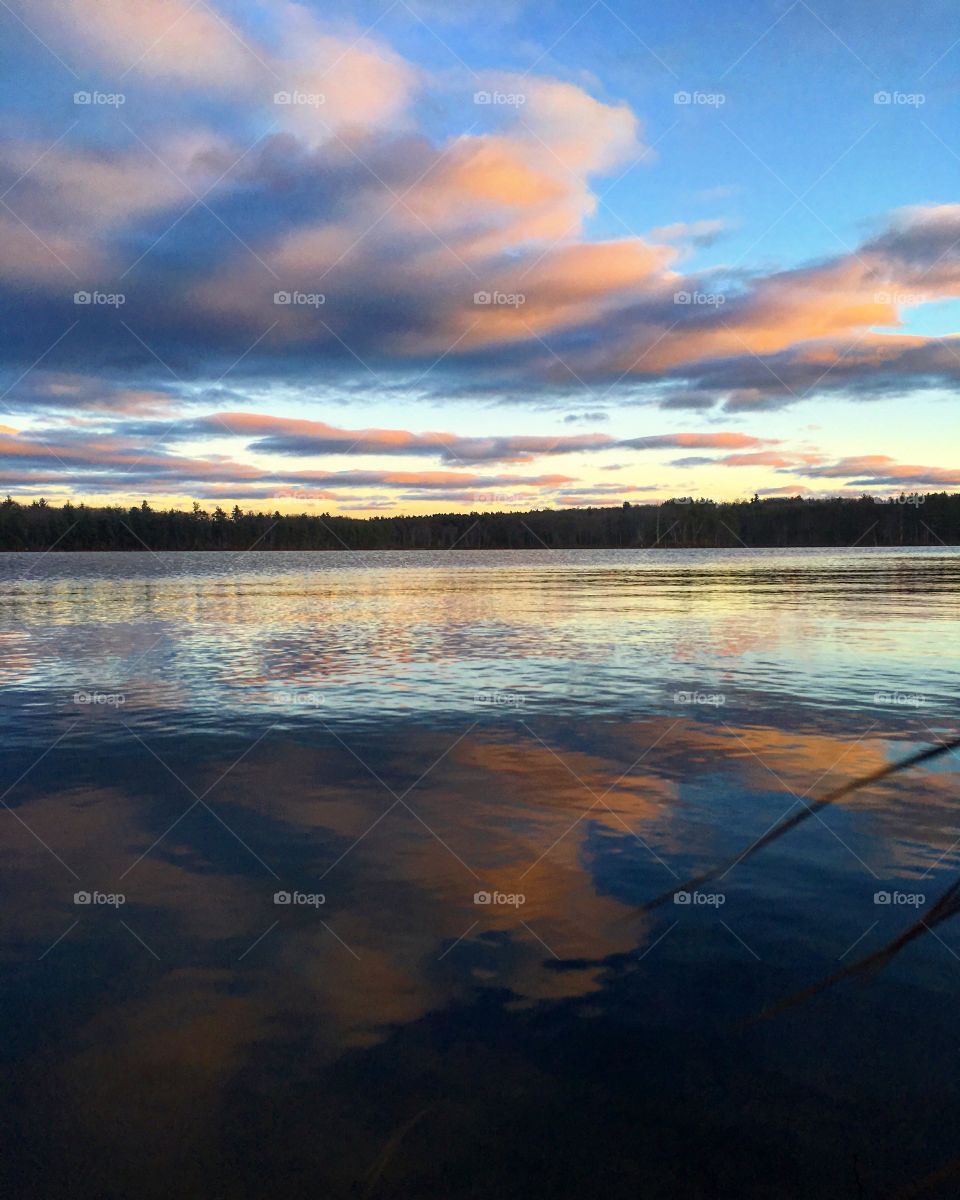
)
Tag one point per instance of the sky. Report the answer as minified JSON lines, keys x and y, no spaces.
{"x":410,"y":256}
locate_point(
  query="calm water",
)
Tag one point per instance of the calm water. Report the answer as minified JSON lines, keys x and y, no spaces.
{"x":396,"y":733}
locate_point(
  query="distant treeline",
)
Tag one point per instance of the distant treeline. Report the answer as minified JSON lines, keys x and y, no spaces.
{"x":914,"y":520}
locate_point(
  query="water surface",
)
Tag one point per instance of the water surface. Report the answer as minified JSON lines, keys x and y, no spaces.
{"x":403,"y":734}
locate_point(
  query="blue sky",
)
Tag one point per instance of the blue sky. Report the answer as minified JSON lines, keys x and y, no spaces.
{"x":789,"y":168}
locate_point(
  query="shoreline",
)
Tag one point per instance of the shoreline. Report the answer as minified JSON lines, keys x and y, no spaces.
{"x":839,"y":547}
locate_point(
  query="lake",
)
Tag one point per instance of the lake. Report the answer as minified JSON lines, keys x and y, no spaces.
{"x":322,"y":874}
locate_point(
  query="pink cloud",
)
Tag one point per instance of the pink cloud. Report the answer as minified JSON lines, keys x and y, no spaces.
{"x":762,"y":458}
{"x":698,"y":441}
{"x":400,"y":229}
{"x":882,"y":469}
{"x":362,"y":82}
{"x":302,"y":437}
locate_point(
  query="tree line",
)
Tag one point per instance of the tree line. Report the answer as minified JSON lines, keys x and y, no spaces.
{"x":907,"y":520}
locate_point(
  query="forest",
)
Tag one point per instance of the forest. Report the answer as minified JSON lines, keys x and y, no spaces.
{"x":906,"y":520}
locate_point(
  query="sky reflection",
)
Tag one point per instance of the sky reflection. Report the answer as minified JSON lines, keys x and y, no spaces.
{"x":200,"y":741}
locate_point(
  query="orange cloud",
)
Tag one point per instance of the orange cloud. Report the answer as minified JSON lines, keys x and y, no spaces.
{"x":359,"y":82}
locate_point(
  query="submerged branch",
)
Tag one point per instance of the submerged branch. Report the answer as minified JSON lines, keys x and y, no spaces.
{"x":809,"y":810}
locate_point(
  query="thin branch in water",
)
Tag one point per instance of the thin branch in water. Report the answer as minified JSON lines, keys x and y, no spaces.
{"x":809,"y":810}
{"x":946,"y":907}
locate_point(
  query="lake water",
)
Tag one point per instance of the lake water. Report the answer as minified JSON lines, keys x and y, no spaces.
{"x":405,"y":735}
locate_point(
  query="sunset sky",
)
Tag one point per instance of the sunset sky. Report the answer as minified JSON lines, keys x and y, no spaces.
{"x":421,"y":256}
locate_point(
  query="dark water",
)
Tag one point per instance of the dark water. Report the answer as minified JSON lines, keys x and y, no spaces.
{"x":397,"y":732}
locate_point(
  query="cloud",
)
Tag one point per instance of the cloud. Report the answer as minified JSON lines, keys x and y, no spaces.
{"x":698,"y":233}
{"x":681,"y":398}
{"x":111,"y":462}
{"x":268,"y":434}
{"x":761,"y":458}
{"x":872,"y":470}
{"x":920,"y":248}
{"x":381,"y":234}
{"x":173,"y":43}
{"x":76,"y":394}
{"x":393,"y":296}
{"x":198,"y":230}
{"x":125,"y":447}
{"x":608,"y":489}
{"x":171,"y":40}
{"x":80,"y":186}
{"x":581,"y":133}
{"x":699,"y":441}
{"x":396,"y":233}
